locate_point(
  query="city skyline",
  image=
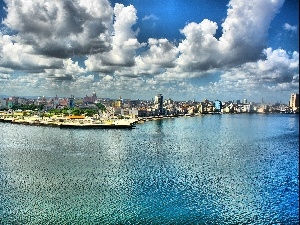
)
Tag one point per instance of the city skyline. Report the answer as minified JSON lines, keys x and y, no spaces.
{"x":184,"y":49}
{"x":292,"y":101}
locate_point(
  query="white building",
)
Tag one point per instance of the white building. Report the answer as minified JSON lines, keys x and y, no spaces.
{"x":294,"y":102}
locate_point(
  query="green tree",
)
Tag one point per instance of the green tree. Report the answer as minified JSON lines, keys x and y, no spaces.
{"x":41,"y":107}
{"x":101,"y":107}
{"x":90,"y":112}
{"x":77,"y":112}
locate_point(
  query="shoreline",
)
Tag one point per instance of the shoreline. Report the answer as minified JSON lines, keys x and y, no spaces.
{"x":67,"y":123}
{"x":92,"y":123}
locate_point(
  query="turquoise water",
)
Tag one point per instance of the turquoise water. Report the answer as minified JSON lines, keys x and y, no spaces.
{"x":219,"y":169}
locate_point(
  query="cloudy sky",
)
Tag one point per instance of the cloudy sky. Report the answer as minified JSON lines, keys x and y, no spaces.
{"x":184,"y":49}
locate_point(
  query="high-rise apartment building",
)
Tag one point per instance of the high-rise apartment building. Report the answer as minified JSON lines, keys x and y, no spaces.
{"x":294,"y":101}
{"x":158,"y":100}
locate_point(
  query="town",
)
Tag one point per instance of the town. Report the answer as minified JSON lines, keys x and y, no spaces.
{"x":94,"y":112}
{"x":142,"y":108}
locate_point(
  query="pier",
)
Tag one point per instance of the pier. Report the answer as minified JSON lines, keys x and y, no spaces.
{"x":65,"y":122}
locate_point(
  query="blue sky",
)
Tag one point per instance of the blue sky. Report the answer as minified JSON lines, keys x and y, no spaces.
{"x":164,"y":19}
{"x":184,"y":49}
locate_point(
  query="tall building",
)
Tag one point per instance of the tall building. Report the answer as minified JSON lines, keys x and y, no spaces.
{"x":158,"y":101}
{"x":218,"y":106}
{"x":90,"y":99}
{"x":72,"y":102}
{"x":294,"y":101}
{"x":118,"y":102}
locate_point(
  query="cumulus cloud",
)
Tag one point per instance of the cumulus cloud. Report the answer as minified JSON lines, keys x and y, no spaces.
{"x":277,"y":71}
{"x":161,"y":53}
{"x":61,"y":28}
{"x":124,"y":43}
{"x":70,"y":71}
{"x":200,"y":50}
{"x":244,"y":37}
{"x":19,"y":56}
{"x":64,"y":28}
{"x":41,"y":37}
{"x":245,"y":29}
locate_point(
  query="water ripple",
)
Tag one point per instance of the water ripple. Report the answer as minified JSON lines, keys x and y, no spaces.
{"x":229,"y":169}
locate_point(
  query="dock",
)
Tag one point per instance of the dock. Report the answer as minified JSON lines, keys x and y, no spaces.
{"x":72,"y":123}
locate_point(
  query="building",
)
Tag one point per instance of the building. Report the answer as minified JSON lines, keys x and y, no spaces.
{"x":158,"y":101}
{"x":229,"y":108}
{"x":294,"y":102}
{"x":12,"y":101}
{"x":118,"y":102}
{"x":72,"y":102}
{"x":263,"y":109}
{"x":90,"y":99}
{"x":218,"y":106}
{"x":248,"y":108}
{"x":63,"y":103}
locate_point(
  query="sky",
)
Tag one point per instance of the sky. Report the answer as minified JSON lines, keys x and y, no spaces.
{"x":183,"y":49}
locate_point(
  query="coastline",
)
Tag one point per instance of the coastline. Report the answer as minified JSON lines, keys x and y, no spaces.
{"x":64,"y":122}
{"x":91,"y":122}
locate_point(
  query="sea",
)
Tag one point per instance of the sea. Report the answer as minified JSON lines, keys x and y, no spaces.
{"x":211,"y":169}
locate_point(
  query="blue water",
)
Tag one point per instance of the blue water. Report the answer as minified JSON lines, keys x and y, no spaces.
{"x":218,"y":169}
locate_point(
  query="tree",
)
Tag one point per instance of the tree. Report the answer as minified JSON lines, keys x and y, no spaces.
{"x":90,"y":112}
{"x":41,"y":107}
{"x":101,"y":107}
{"x":77,"y":112}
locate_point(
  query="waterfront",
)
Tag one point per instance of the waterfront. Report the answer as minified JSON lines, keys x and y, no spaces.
{"x":213,"y":169}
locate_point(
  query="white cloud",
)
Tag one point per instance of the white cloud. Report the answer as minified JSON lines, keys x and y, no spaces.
{"x":279,"y":59}
{"x":48,"y":33}
{"x":150,"y":17}
{"x":70,"y":71}
{"x":54,"y":32}
{"x":124,"y":43}
{"x":244,"y":36}
{"x":16,"y":55}
{"x":289,"y":27}
{"x":4,"y":76}
{"x":107,"y":78}
{"x":161,"y":53}
{"x":245,"y":29}
{"x":61,"y":28}
{"x":200,"y":50}
{"x":278,"y":70}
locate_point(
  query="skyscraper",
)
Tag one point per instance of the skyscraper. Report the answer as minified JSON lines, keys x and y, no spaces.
{"x":158,"y":101}
{"x":294,"y":101}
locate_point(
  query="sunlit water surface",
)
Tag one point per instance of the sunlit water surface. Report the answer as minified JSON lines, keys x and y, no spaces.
{"x":219,"y":169}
